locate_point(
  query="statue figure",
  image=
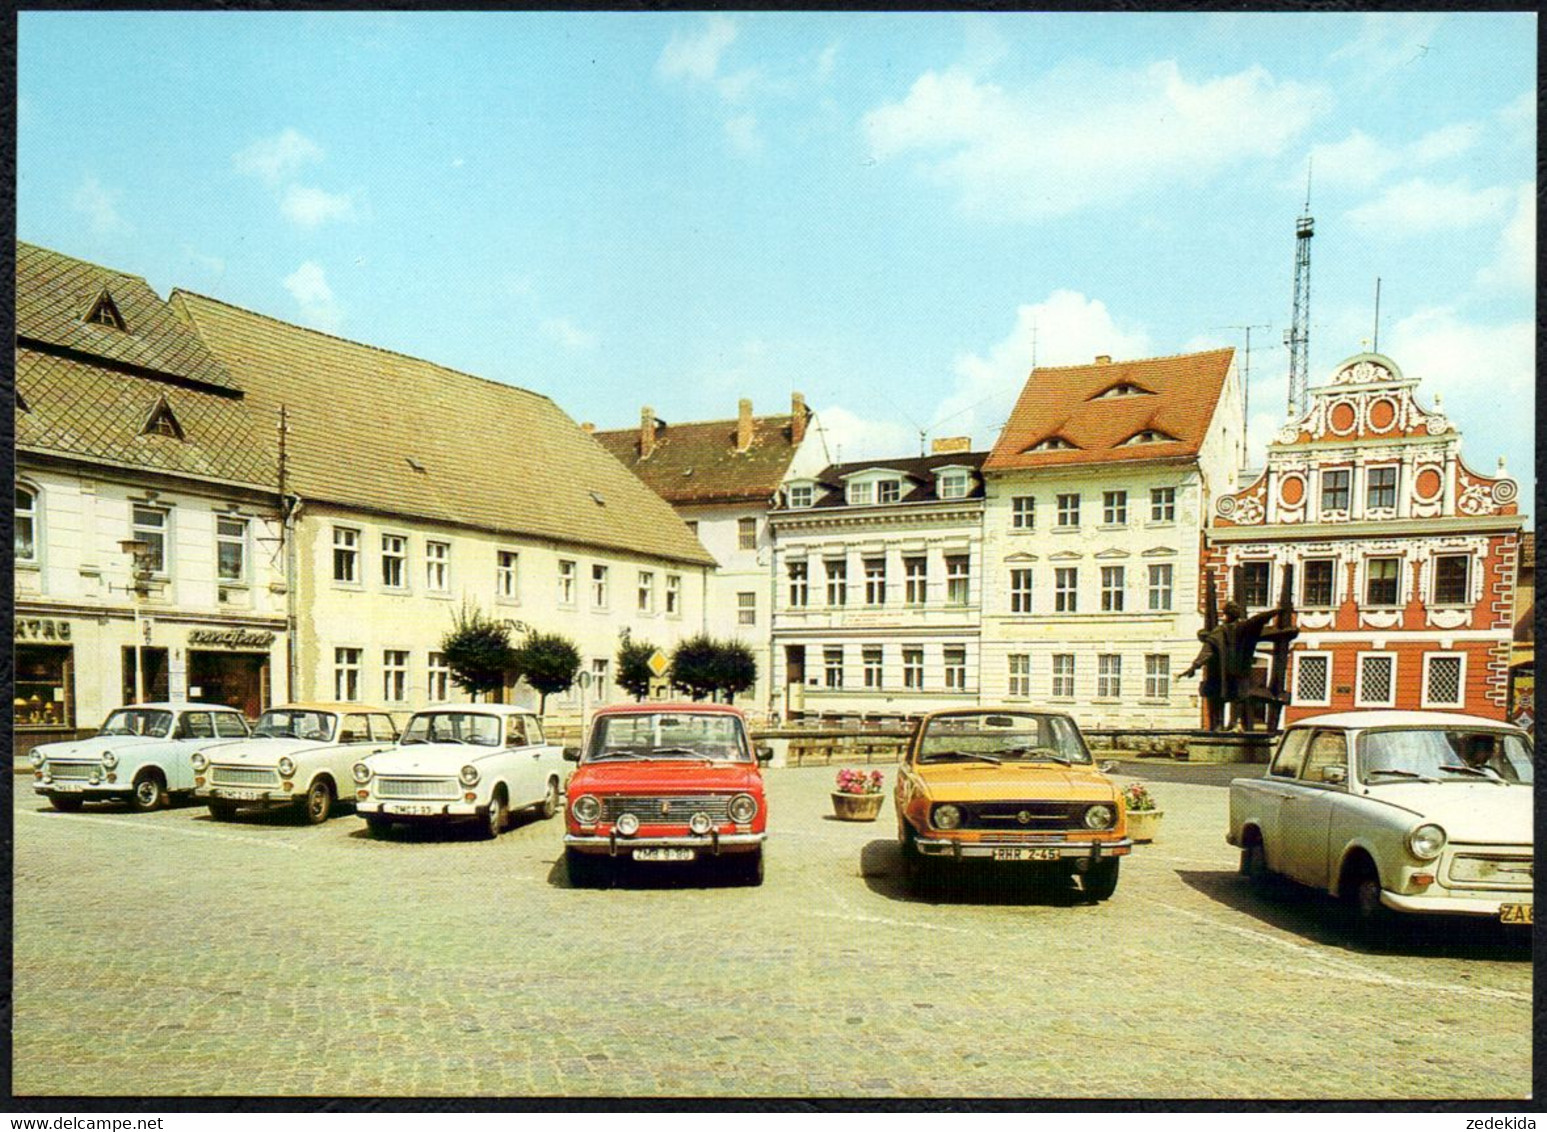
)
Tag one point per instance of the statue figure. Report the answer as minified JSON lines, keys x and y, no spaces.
{"x":1227,"y":657}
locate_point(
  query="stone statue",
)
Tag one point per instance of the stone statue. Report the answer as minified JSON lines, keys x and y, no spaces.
{"x":1227,"y":657}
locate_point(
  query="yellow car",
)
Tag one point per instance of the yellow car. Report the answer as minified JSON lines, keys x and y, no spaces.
{"x":1008,"y":787}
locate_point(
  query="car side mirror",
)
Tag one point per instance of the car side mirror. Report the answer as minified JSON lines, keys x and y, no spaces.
{"x":1337,"y":775}
{"x":764,"y":754}
{"x":1108,"y":766}
{"x":572,"y":754}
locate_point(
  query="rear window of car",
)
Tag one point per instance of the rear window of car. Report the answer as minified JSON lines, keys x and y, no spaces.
{"x":229,"y":725}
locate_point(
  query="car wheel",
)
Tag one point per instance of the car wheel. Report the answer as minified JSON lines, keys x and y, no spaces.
{"x":65,"y":804}
{"x":585,"y":870}
{"x":749,"y":868}
{"x":318,"y":803}
{"x":1100,"y":880}
{"x":550,"y":804}
{"x":496,"y":816}
{"x":377,"y":827}
{"x":150,"y":792}
{"x":918,"y":870}
{"x":1254,"y":866}
{"x":1370,"y":917}
{"x":222,"y":811}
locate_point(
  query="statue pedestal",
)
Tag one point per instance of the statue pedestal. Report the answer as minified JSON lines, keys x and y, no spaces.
{"x":1229,"y":746}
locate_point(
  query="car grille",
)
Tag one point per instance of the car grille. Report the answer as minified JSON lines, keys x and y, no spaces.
{"x":416,"y":788}
{"x":1476,"y":870}
{"x":242,"y":776}
{"x":74,"y":770}
{"x":656,"y":809}
{"x":1029,"y":817}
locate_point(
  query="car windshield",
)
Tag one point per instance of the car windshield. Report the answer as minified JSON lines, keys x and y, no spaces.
{"x":1443,"y":754}
{"x":1002,"y":737}
{"x":285,"y":724}
{"x":669,"y":735}
{"x":478,"y":728}
{"x":138,"y":721}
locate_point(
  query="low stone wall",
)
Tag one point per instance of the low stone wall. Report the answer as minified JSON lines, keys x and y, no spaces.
{"x":1156,"y":743}
{"x":833,"y":748}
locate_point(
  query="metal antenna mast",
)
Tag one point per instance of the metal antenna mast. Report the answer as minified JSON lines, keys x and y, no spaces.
{"x":1298,"y":336}
{"x":1375,"y":347}
{"x":1246,"y":381}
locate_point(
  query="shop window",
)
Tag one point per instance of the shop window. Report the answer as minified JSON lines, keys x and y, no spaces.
{"x":42,"y":695}
{"x":26,"y":524}
{"x":153,"y":673}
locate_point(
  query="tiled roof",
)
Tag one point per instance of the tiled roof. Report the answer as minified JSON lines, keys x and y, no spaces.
{"x":376,"y":430}
{"x":921,"y":469}
{"x":1064,"y":403}
{"x":55,"y":293}
{"x":697,"y":462}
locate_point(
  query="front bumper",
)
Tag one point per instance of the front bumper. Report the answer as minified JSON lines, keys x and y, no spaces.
{"x":247,"y":796}
{"x":995,"y":848}
{"x":712,"y":843}
{"x":420,"y":811}
{"x":1446,"y":902}
{"x":72,"y":788}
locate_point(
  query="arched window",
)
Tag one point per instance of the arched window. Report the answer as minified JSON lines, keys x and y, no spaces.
{"x":26,"y":524}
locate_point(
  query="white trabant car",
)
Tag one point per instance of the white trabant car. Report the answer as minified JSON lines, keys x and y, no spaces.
{"x":1395,"y":811}
{"x":141,"y":754}
{"x":462,"y":761}
{"x":299,"y":755}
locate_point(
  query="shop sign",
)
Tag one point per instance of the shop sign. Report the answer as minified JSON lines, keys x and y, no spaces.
{"x":231,"y":638}
{"x":41,"y":629}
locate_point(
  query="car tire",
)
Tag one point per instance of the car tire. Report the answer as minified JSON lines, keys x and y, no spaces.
{"x":585,"y":870}
{"x":1100,"y":880}
{"x":496,"y":816}
{"x":65,"y":804}
{"x":749,"y":868}
{"x":222,"y":811}
{"x":919,"y":871}
{"x":317,"y":806}
{"x":377,"y":827}
{"x":149,"y":793}
{"x":1254,"y":866}
{"x":550,"y":803}
{"x":1361,"y":893}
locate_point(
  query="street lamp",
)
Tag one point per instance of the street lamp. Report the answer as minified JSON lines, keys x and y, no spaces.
{"x":138,"y":551}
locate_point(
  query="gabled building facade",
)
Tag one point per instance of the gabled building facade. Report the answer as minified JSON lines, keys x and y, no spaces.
{"x":1405,"y":559}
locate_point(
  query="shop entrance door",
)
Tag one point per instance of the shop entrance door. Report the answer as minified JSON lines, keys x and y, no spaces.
{"x":236,"y":679}
{"x":154,"y":663}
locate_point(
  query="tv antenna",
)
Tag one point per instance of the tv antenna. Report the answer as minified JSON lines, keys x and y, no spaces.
{"x":1298,"y":336}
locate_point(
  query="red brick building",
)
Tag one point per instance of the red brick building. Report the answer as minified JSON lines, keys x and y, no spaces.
{"x":1405,"y":559}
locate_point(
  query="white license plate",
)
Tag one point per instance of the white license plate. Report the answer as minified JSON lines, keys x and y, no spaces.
{"x":1028,"y":854}
{"x":664,"y":853}
{"x":1515,"y":913}
{"x":68,"y":787}
{"x":419,"y":809}
{"x":236,"y":795}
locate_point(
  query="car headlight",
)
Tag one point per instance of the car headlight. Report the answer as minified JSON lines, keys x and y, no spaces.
{"x":946,"y":817}
{"x":109,"y":759}
{"x":199,"y":760}
{"x":1426,"y":842}
{"x":700,"y":823}
{"x":743,"y":808}
{"x":468,"y":775}
{"x":628,"y":824}
{"x":286,"y":766}
{"x":586,"y":809}
{"x":36,"y":758}
{"x":362,"y":773}
{"x":1100,"y":817}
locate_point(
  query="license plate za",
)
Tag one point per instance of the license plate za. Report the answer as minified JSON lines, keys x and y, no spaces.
{"x":237,"y":795}
{"x":411,"y":808}
{"x":1515,"y":913}
{"x":68,"y":787}
{"x":665,"y":853}
{"x":1027,"y":854}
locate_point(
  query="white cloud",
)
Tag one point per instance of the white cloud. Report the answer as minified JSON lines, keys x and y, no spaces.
{"x":310,"y":207}
{"x":276,"y":159}
{"x":1519,"y":118}
{"x":1514,"y":267}
{"x":100,"y":207}
{"x":696,"y":55}
{"x":1419,"y":206}
{"x":850,"y":436}
{"x":1081,"y":138}
{"x":567,"y":334}
{"x":1360,"y":161}
{"x":308,"y":286}
{"x":826,"y":62}
{"x":212,"y":264}
{"x":1387,"y":41}
{"x":743,"y":133}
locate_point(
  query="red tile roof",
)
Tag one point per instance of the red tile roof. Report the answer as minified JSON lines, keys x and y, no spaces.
{"x":1065,"y":403}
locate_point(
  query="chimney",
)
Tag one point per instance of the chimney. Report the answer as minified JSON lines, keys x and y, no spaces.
{"x":646,"y":432}
{"x":587,"y":427}
{"x":942,"y":444}
{"x":1103,"y":359}
{"x":744,"y":425}
{"x":799,"y":415}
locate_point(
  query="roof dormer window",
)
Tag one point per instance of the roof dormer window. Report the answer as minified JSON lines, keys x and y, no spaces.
{"x":888,"y":491}
{"x":953,"y":484}
{"x":162,"y":422}
{"x":1148,"y":436}
{"x":861,"y":492}
{"x":801,"y":495}
{"x":1052,"y":444}
{"x":104,"y":312}
{"x":1123,"y":389}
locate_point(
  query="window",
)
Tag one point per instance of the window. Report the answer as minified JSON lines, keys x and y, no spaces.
{"x":505,"y":575}
{"x":871,"y":656}
{"x":229,"y":725}
{"x":599,"y":679}
{"x":150,"y":527}
{"x":875,"y":581}
{"x":746,"y":533}
{"x":1443,"y":679}
{"x":26,"y":525}
{"x":860,"y":493}
{"x":1316,"y":590}
{"x":1112,"y":589}
{"x":394,"y":676}
{"x":673,"y":595}
{"x":1069,"y":510}
{"x":231,"y":548}
{"x":646,"y":602}
{"x":1020,"y":675}
{"x":953,"y":485}
{"x":746,"y":608}
{"x":1328,"y":748}
{"x":955,"y":668}
{"x":394,"y":562}
{"x":1377,"y":679}
{"x":837,"y":581}
{"x":915,"y":576}
{"x":1290,"y":753}
{"x":1380,"y":581}
{"x":692,"y":526}
{"x":346,"y":555}
{"x":1160,"y":586}
{"x":438,"y":678}
{"x":1114,"y":508}
{"x":1162,"y":504}
{"x":1313,"y":678}
{"x":832,"y":666}
{"x":437,"y":566}
{"x":957,"y":580}
{"x":1063,"y":675}
{"x":800,"y":586}
{"x":566,"y":581}
{"x":1157,"y":676}
{"x":346,"y":675}
{"x":1255,"y":585}
{"x":1020,"y":591}
{"x":1023,"y":512}
{"x":888,"y":491}
{"x":1334,"y":490}
{"x":1066,"y":597}
{"x":1450,"y":579}
{"x":913,"y":667}
{"x":801,"y":495}
{"x":599,"y":586}
{"x":1380,"y":488}
{"x":1109,"y":676}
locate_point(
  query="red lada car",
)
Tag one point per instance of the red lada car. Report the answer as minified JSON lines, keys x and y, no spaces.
{"x":666,"y":782}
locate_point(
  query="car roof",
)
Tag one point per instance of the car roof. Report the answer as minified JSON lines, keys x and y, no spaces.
{"x":320,"y":705}
{"x":493,"y":709}
{"x":188,"y":705}
{"x":654,"y":707}
{"x":1391,"y":718}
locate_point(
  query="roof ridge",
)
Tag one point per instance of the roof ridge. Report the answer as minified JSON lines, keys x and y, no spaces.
{"x":683,"y":424}
{"x":1135,"y":361}
{"x":87,"y":262}
{"x":361,"y":345}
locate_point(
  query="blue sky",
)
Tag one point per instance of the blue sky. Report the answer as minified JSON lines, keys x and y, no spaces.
{"x":879,"y":210}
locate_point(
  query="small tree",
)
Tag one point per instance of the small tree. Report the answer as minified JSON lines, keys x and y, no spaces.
{"x":695,"y":666}
{"x":477,"y":651}
{"x":634,"y":673}
{"x":549,"y":663}
{"x":737,"y":668}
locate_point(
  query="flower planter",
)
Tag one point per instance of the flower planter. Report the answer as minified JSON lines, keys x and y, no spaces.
{"x":857,"y":807}
{"x":1144,"y":824}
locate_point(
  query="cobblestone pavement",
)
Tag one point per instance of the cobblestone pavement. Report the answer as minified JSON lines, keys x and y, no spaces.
{"x":168,"y":954}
